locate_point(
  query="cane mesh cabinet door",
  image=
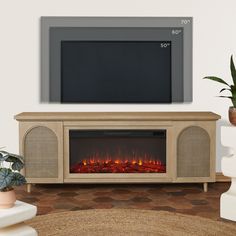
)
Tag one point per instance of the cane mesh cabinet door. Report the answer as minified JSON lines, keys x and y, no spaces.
{"x":195,"y":151}
{"x":42,"y":148}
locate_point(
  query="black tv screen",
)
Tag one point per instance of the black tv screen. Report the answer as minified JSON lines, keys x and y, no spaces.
{"x":115,"y":71}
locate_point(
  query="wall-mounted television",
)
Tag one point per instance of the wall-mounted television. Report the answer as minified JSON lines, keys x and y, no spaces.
{"x":115,"y":71}
{"x":116,"y":60}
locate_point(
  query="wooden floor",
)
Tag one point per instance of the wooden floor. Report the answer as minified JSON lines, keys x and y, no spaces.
{"x":182,"y":198}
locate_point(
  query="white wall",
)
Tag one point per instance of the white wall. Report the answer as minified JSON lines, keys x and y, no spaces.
{"x":214,"y":40}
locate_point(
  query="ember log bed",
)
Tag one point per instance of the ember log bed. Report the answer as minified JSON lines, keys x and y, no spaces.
{"x":118,"y":166}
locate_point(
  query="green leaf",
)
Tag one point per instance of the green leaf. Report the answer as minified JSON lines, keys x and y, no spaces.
{"x":18,"y":162}
{"x":233,"y":90}
{"x":226,"y":97}
{"x":217,"y":79}
{"x":232,"y":68}
{"x":17,"y":165}
{"x":3,"y":155}
{"x":17,"y":179}
{"x":224,"y":90}
{"x":14,"y":158}
{"x":234,"y":102}
{"x":6,"y":176}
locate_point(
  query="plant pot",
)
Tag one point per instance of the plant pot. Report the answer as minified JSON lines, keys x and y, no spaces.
{"x":7,"y":199}
{"x":232,"y":115}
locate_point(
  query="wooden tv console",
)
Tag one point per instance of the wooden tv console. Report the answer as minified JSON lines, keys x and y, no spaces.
{"x":190,"y":152}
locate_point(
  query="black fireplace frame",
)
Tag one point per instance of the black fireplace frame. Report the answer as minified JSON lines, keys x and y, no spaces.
{"x":148,"y":143}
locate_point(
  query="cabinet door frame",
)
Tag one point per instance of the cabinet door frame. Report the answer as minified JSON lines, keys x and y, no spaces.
{"x":210,"y":128}
{"x":57,"y":128}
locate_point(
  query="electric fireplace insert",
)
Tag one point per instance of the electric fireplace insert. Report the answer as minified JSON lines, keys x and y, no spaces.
{"x":117,"y":151}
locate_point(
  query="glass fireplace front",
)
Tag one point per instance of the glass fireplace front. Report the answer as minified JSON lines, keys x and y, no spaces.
{"x":117,"y":151}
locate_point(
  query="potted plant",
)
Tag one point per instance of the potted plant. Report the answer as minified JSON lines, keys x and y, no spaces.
{"x":229,"y":87}
{"x":10,"y":165}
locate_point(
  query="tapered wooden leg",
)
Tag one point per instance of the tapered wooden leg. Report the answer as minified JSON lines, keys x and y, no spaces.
{"x":28,"y":188}
{"x":205,"y":187}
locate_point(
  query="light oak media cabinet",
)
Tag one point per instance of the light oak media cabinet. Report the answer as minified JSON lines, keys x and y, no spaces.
{"x":190,"y":145}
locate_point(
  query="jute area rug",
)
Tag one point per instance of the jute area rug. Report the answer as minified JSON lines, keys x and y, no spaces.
{"x":128,"y":222}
